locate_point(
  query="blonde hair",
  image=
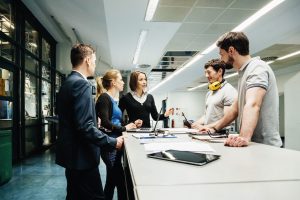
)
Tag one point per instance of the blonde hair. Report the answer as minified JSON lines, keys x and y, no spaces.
{"x":99,"y":87}
{"x":104,"y":83}
{"x":108,"y":77}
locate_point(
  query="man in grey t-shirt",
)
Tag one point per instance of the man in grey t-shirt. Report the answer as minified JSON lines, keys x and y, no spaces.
{"x":257,"y":105}
{"x":219,"y":97}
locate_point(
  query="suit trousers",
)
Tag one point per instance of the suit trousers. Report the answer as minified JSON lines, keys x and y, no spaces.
{"x":84,"y":184}
{"x":115,"y":174}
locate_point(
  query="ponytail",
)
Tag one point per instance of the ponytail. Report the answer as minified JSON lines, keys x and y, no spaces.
{"x":100,"y":88}
{"x":104,"y":83}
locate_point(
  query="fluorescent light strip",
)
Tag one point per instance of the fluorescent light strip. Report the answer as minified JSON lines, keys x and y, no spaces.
{"x":199,"y":86}
{"x":270,"y":62}
{"x":205,"y":84}
{"x":194,"y":59}
{"x":141,"y":41}
{"x":240,"y":27}
{"x":152,"y":5}
{"x":257,"y":15}
{"x":231,"y":75}
{"x":284,"y":57}
{"x":209,"y":49}
{"x":289,"y":55}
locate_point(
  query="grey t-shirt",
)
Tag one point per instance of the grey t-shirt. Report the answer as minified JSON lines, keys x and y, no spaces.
{"x":216,"y":100}
{"x":256,"y":73}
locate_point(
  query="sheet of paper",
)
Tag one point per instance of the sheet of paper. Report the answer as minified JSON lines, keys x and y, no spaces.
{"x":180,"y":130}
{"x":143,"y":135}
{"x":180,"y":146}
{"x":147,"y":135}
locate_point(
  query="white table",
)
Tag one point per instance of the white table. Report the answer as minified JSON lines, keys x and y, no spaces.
{"x":254,"y":166}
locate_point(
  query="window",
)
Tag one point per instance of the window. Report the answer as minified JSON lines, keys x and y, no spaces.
{"x":30,"y":96}
{"x":6,"y":114}
{"x":57,"y":82}
{"x":45,"y":72}
{"x":7,"y":50}
{"x":6,"y":83}
{"x":46,"y":99}
{"x":46,"y":52}
{"x":31,"y":64}
{"x":7,"y":19}
{"x":31,"y":39}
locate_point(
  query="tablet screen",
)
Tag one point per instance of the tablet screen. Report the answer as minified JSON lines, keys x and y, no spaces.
{"x":185,"y":157}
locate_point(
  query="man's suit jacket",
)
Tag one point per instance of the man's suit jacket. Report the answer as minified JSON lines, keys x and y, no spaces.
{"x":79,"y":140}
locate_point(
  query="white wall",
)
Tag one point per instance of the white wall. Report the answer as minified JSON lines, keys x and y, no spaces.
{"x":63,"y":62}
{"x":282,"y":80}
{"x":191,"y":103}
{"x":292,"y":110}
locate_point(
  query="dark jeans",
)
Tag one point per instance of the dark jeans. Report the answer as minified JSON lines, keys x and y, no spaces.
{"x":84,"y":184}
{"x":115,"y":174}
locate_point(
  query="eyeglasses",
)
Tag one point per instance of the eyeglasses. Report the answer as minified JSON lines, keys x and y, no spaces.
{"x":220,"y":134}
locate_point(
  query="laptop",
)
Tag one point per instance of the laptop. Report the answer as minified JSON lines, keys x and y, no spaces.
{"x":186,"y":122}
{"x":146,"y":130}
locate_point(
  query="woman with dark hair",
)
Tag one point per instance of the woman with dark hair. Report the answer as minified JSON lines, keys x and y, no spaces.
{"x":138,"y":103}
{"x":111,"y":120}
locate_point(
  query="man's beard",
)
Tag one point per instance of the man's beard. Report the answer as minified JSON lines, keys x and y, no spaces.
{"x":229,"y":63}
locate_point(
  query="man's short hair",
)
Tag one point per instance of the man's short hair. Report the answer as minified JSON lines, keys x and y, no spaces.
{"x":133,"y":81}
{"x":79,"y":52}
{"x":238,"y":40}
{"x":216,"y":64}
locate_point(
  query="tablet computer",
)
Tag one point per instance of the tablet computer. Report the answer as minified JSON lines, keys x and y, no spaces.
{"x":187,"y":157}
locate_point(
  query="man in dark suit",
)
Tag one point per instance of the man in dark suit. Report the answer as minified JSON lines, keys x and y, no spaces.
{"x":79,"y":140}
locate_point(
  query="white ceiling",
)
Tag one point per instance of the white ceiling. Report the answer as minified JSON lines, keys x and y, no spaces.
{"x":113,"y":27}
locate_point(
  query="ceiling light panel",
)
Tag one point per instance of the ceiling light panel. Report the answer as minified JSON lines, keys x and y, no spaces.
{"x":177,"y":3}
{"x":170,"y":14}
{"x":214,"y":3}
{"x":253,"y":4}
{"x":234,"y":16}
{"x":219,"y":29}
{"x":203,"y":15}
{"x":193,"y":28}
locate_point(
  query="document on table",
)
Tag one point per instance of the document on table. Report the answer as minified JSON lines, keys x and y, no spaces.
{"x":180,"y":130}
{"x":180,"y":146}
{"x":147,"y":135}
{"x":143,"y":135}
